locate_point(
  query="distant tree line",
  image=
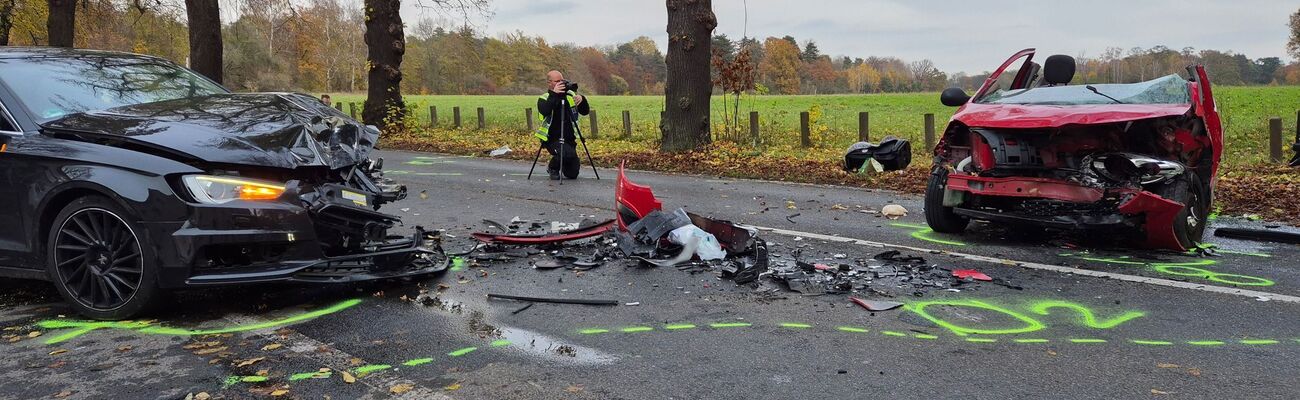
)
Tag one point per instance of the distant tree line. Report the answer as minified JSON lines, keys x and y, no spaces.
{"x":318,"y":46}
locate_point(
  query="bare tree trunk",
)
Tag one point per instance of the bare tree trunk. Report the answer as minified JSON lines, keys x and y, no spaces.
{"x":386,"y":43}
{"x":690,"y":32}
{"x":62,"y":22}
{"x":6,"y":20}
{"x":205,"y":37}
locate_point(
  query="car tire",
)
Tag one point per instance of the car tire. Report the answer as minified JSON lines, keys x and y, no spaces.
{"x":97,"y":261}
{"x":1189,"y":223}
{"x":941,"y":219}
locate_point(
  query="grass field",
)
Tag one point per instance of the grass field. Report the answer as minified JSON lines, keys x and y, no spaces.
{"x":1245,"y":111}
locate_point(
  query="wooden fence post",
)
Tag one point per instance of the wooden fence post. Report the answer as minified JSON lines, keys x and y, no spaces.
{"x":595,"y":128}
{"x":627,"y":124}
{"x":753,"y":127}
{"x":864,"y":130}
{"x":1275,"y":139}
{"x":528,"y":117}
{"x":482,"y":123}
{"x":433,"y":116}
{"x":929,"y":131}
{"x":455,"y":117}
{"x":805,"y":135}
{"x":352,"y":109}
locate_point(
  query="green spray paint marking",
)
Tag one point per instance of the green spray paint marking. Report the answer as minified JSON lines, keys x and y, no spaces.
{"x":981,"y":340}
{"x":252,"y":379}
{"x":1151,"y":342}
{"x":500,"y":343}
{"x":310,"y":375}
{"x":1087,"y":340}
{"x":892,"y":333}
{"x":730,"y":325}
{"x":1216,"y":249}
{"x":851,"y":329}
{"x":457,"y":263}
{"x":924,"y":336}
{"x":1030,"y":324}
{"x":593,"y":331}
{"x":1034,"y":340}
{"x":1185,"y":269}
{"x":462,"y":352}
{"x":439,"y":174}
{"x":367,"y":369}
{"x":677,"y":327}
{"x":1206,"y":343}
{"x":418,"y":362}
{"x":635,"y":329}
{"x":84,"y":327}
{"x":1089,"y":320}
{"x":923,"y":233}
{"x":398,"y":172}
{"x":795,"y":325}
{"x":1259,"y":341}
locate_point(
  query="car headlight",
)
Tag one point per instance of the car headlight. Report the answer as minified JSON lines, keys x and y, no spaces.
{"x":1126,"y":167}
{"x":221,"y":189}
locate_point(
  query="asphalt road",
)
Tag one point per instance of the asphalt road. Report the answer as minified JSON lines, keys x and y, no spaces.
{"x":1083,"y":317}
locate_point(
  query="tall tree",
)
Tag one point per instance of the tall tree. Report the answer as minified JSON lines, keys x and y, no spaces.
{"x":205,"y":37}
{"x":1293,"y":45}
{"x":61,"y":24}
{"x":386,"y":42}
{"x":7,"y":8}
{"x":686,"y":116}
{"x":780,"y":68}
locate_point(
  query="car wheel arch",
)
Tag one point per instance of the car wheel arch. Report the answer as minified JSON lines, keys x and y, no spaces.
{"x":61,"y":197}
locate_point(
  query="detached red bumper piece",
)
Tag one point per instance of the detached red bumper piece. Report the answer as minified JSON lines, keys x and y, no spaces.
{"x":588,"y":232}
{"x":632,"y":201}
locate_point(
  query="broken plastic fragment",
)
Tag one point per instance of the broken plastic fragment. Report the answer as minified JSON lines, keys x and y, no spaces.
{"x":971,"y":274}
{"x":893,"y":211}
{"x":874,"y":305}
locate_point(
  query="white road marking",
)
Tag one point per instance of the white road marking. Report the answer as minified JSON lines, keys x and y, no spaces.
{"x":1047,"y":267}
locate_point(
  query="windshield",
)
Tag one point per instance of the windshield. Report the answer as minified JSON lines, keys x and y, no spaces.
{"x":53,"y":86}
{"x":1170,"y":89}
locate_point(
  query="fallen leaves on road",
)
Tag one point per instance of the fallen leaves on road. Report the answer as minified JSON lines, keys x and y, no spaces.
{"x":34,"y":334}
{"x":1167,"y":365}
{"x":59,"y":351}
{"x":454,"y":386}
{"x":210,"y":350}
{"x":251,"y":361}
{"x":272,"y":346}
{"x":790,"y":205}
{"x":401,"y":388}
{"x":63,"y":394}
{"x":839,"y":207}
{"x":279,"y":392}
{"x":348,"y":378}
{"x":199,"y":345}
{"x":1158,"y":392}
{"x":574,"y":389}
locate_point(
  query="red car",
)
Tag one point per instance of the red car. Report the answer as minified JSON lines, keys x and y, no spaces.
{"x":1031,"y":149}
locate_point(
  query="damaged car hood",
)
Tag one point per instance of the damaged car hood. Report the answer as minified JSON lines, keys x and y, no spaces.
{"x":259,"y":129}
{"x":1016,"y":116}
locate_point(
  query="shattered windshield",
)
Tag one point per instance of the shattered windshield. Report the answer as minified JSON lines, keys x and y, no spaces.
{"x":51,"y":87}
{"x":1170,"y":89}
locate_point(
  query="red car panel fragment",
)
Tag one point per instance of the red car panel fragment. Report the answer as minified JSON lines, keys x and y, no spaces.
{"x":632,"y":201}
{"x":583,"y":233}
{"x":1024,"y":187}
{"x":1159,"y":216}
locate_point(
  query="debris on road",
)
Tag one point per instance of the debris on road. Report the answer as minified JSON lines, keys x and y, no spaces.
{"x":1261,"y":235}
{"x":501,"y":151}
{"x":872,"y":305}
{"x":893,"y":211}
{"x":971,"y":274}
{"x":592,"y":302}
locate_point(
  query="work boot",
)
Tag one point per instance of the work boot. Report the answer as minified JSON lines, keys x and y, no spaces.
{"x":555,"y":175}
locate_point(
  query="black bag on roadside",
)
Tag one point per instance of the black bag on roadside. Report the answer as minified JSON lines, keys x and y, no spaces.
{"x":892,"y":153}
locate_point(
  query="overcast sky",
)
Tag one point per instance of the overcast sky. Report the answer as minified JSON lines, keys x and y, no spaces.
{"x":957,"y":35}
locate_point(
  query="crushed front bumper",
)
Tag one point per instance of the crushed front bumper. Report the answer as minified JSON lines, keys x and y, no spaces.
{"x":396,"y":258}
{"x":1153,"y":214}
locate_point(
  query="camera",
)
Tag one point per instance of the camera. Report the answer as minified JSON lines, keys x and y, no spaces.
{"x":570,"y":85}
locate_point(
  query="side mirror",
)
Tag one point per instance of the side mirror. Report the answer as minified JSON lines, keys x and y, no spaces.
{"x":953,"y":97}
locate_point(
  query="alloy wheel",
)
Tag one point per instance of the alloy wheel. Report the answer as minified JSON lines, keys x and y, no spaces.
{"x":98,"y":259}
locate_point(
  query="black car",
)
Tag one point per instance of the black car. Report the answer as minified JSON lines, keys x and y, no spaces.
{"x":124,"y":176}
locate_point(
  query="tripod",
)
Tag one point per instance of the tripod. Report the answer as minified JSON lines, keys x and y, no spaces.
{"x":567,"y":121}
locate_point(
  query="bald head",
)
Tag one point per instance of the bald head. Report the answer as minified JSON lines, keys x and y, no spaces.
{"x":554,"y":76}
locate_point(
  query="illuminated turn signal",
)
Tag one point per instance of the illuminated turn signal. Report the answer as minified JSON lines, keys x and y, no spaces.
{"x":250,"y":192}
